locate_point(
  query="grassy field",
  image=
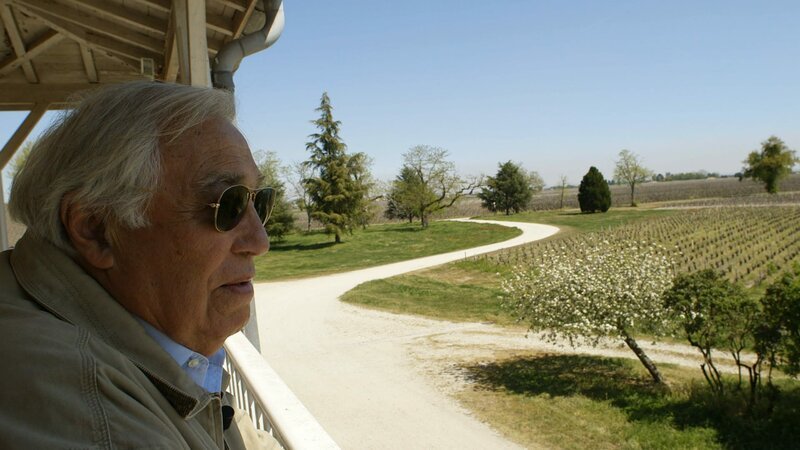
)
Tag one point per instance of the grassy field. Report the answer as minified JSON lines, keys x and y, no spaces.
{"x":578,"y":401}
{"x":311,"y":254}
{"x":573,"y":219}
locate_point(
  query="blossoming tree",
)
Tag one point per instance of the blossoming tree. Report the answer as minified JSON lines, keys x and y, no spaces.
{"x":595,"y":289}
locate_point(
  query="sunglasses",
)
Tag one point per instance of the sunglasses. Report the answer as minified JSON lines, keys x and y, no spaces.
{"x":232,"y":205}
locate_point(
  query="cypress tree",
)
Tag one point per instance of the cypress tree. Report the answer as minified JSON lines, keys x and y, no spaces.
{"x":593,"y":193}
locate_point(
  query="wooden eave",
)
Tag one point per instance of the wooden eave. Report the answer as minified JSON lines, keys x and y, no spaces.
{"x":50,"y":49}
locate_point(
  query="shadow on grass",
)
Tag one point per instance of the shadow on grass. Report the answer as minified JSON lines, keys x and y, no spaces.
{"x":279,"y":247}
{"x":613,"y":380}
{"x":407,"y":229}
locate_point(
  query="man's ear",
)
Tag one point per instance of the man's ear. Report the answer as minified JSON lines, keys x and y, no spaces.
{"x":87,"y":233}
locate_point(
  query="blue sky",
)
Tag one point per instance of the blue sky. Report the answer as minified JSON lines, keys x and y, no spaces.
{"x":555,"y":85}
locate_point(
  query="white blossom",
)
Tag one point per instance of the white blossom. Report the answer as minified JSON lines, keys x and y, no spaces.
{"x":594,"y":288}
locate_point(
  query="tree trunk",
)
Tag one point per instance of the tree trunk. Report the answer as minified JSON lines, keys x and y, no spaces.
{"x":338,"y":238}
{"x":645,"y":360}
{"x":424,"y":220}
{"x":633,"y":202}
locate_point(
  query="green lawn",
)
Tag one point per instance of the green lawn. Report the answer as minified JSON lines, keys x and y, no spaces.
{"x":311,"y":254}
{"x":461,"y":291}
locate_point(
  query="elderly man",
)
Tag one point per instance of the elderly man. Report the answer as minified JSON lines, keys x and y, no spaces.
{"x":144,"y":212}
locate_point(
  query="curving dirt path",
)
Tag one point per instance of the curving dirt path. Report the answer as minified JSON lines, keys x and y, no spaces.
{"x":377,"y":380}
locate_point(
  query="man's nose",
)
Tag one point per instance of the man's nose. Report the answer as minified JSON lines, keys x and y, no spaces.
{"x":252,"y":238}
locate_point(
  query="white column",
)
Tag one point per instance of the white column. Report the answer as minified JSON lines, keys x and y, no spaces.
{"x":3,"y":223}
{"x":11,"y":147}
{"x":190,"y":33}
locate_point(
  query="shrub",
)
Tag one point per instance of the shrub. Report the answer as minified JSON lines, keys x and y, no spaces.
{"x":714,"y":313}
{"x":779,"y":336}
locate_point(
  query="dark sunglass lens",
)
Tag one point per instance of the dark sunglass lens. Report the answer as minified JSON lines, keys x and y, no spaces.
{"x":232,"y":206}
{"x":264,"y":202}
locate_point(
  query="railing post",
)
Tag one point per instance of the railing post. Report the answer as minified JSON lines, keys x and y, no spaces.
{"x":271,"y":405}
{"x":251,"y":329}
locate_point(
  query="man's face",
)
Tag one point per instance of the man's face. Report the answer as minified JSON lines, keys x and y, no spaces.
{"x":180,"y":274}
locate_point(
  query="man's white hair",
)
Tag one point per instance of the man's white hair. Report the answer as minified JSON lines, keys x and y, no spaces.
{"x":104,"y":153}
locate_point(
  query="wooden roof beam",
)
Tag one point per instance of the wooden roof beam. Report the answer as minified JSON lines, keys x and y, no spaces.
{"x":213,"y":23}
{"x":27,"y":106}
{"x":238,"y":5}
{"x":214,"y":46}
{"x":162,"y":6}
{"x":88,"y":64}
{"x":124,"y":16}
{"x":10,"y":23}
{"x":219,"y":24}
{"x":94,"y":23}
{"x":170,"y":69}
{"x":34,"y":49}
{"x":240,"y":18}
{"x":126,"y":53}
{"x":16,"y":97}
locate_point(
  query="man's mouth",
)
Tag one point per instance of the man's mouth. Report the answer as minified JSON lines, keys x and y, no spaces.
{"x":244,"y":287}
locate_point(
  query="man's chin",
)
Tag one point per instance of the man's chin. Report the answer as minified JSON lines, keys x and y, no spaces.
{"x":237,"y":320}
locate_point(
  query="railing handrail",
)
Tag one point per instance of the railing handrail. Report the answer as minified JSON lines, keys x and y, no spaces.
{"x":292,"y":424}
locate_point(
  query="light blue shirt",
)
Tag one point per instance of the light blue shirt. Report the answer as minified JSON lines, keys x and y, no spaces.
{"x":206,"y":372}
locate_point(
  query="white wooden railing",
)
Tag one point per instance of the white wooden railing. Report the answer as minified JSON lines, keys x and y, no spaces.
{"x":270,"y":403}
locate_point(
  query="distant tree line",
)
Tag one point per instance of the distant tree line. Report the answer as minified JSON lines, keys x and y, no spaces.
{"x":685,"y":176}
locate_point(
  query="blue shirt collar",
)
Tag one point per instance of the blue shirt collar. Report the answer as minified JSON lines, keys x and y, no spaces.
{"x":206,"y":372}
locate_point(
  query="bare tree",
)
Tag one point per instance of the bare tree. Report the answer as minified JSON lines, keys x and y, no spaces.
{"x":432,"y":183}
{"x":563,"y":181}
{"x":629,"y":170}
{"x":21,"y":157}
{"x":281,"y":221}
{"x":535,"y":181}
{"x":302,"y":198}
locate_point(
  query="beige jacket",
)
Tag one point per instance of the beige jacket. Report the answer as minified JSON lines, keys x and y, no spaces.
{"x":80,"y":372}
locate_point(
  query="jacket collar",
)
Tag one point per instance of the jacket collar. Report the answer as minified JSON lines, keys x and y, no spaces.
{"x":61,"y":286}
